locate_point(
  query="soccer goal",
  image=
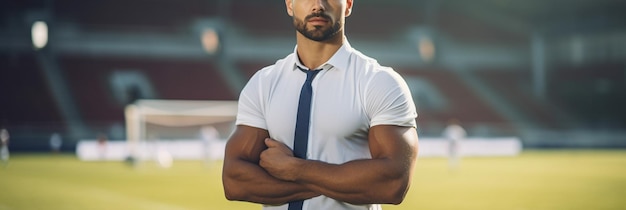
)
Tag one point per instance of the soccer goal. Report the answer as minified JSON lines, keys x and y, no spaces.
{"x":163,"y":130}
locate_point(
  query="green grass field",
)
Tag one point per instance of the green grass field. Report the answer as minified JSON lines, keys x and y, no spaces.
{"x":558,"y":179}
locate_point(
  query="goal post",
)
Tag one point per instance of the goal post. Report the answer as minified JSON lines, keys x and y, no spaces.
{"x":185,"y":129}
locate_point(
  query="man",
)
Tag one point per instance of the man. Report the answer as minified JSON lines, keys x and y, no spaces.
{"x":56,"y":142}
{"x":102,"y":146}
{"x":455,"y":134}
{"x":210,"y":139}
{"x":4,"y":146}
{"x":324,"y":128}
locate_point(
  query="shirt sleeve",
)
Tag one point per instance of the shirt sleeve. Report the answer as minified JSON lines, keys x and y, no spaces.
{"x":389,"y":100}
{"x":250,"y":106}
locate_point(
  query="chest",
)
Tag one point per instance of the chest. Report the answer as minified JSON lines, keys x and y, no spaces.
{"x":336,"y":108}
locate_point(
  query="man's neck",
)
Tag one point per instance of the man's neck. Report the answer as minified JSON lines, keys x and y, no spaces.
{"x":313,"y":54}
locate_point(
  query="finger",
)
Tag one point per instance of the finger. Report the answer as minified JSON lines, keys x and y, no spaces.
{"x":263,"y":159}
{"x":271,"y":142}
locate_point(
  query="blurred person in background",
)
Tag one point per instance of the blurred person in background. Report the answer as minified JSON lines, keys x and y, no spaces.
{"x":4,"y":146}
{"x":210,"y":137}
{"x":56,"y":142}
{"x":102,"y":146}
{"x":362,"y":145}
{"x":454,"y":133}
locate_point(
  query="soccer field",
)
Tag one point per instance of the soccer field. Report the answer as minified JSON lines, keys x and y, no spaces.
{"x":551,"y":179}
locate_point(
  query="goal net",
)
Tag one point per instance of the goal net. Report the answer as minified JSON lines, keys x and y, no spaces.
{"x":163,"y":130}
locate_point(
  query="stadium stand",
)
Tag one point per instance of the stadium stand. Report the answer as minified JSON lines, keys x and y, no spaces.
{"x":263,"y":19}
{"x":168,"y":17}
{"x":514,"y":87}
{"x":89,"y":78}
{"x":23,"y":87}
{"x":367,"y":22}
{"x":467,"y":29}
{"x":593,"y":92}
{"x":249,"y":68}
{"x":27,"y":107}
{"x":589,"y":93}
{"x":462,"y":103}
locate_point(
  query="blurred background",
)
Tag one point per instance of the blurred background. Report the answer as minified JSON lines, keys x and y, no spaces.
{"x":549,"y":74}
{"x":552,"y":73}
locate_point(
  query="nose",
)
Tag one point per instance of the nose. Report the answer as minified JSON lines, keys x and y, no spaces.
{"x":318,"y":6}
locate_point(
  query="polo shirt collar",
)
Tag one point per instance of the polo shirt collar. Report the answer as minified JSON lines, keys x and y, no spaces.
{"x":339,"y":60}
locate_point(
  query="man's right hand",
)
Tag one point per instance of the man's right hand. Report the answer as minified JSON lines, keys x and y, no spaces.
{"x":278,"y":160}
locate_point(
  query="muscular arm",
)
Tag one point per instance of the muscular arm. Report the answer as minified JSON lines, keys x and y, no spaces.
{"x":245,"y":180}
{"x":383,"y":179}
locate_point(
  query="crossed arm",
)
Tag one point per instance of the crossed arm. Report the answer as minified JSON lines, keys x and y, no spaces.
{"x":262,"y":170}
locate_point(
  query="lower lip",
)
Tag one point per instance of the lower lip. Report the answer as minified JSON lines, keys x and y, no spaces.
{"x":318,"y":22}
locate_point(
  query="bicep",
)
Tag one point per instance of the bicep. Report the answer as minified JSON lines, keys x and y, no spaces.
{"x":246,"y":143}
{"x":396,"y":143}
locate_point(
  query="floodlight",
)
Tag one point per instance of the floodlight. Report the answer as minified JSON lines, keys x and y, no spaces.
{"x":210,"y":40}
{"x":426,"y":48}
{"x":39,"y":34}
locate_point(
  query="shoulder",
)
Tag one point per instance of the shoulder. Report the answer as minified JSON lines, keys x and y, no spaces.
{"x":370,"y":68}
{"x":382,"y":76}
{"x":366,"y":62}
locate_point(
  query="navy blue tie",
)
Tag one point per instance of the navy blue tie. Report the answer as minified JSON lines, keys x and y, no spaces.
{"x":301,"y":136}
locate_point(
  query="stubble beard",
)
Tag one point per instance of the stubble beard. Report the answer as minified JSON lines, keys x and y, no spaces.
{"x":318,"y":33}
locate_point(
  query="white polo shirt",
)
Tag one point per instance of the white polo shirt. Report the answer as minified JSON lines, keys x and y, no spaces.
{"x":351,"y":94}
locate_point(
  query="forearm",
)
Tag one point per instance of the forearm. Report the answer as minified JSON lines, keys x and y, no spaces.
{"x":246,"y":181}
{"x":382,"y":179}
{"x":357,"y":182}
